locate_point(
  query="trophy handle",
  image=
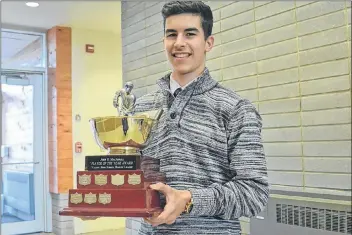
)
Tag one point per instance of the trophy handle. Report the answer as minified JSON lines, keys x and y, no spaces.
{"x":95,"y":134}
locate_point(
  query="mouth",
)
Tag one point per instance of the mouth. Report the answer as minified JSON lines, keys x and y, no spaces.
{"x":181,"y":55}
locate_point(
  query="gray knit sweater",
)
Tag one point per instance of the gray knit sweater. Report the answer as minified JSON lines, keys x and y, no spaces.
{"x":208,"y":141}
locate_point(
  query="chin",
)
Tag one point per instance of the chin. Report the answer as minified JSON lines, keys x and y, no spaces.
{"x":182,"y":69}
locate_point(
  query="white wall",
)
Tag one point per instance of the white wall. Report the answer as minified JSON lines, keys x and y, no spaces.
{"x":95,"y":78}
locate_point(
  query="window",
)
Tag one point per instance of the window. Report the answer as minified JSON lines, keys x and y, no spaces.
{"x":21,"y":50}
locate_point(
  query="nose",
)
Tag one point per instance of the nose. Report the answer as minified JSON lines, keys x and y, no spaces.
{"x":180,"y":41}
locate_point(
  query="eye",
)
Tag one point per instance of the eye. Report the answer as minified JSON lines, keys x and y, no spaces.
{"x":171,"y":35}
{"x":190,"y":34}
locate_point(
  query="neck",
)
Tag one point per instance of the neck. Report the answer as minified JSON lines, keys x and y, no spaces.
{"x":184,"y":78}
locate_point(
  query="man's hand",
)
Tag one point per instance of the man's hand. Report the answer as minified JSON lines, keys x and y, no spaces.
{"x":176,"y":201}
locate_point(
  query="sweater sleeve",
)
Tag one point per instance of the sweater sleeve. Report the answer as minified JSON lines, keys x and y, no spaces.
{"x":246,"y":194}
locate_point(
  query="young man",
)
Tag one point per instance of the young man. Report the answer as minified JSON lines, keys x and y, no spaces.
{"x":208,"y":139}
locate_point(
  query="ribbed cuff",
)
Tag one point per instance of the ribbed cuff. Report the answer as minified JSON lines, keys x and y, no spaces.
{"x":203,"y":202}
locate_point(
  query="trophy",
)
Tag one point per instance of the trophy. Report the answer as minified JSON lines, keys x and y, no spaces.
{"x":117,"y":184}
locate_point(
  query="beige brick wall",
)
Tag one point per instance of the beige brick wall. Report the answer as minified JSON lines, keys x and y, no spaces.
{"x":292,"y":59}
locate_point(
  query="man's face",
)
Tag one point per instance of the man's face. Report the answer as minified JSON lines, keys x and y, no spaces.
{"x":185,"y":44}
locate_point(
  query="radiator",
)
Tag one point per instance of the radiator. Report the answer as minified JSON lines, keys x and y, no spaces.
{"x":303,"y":217}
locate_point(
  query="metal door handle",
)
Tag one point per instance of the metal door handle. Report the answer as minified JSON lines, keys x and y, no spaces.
{"x":19,"y":163}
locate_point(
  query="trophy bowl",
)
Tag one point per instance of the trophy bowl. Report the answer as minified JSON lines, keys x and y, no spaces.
{"x":122,"y":134}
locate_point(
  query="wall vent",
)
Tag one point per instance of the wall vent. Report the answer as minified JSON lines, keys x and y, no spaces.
{"x":316,"y":218}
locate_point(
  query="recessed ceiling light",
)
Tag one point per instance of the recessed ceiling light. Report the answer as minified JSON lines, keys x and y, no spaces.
{"x":32,"y":4}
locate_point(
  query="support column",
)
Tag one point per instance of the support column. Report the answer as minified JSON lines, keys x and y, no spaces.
{"x":60,"y":124}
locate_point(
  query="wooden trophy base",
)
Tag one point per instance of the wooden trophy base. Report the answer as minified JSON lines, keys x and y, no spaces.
{"x":112,"y":203}
{"x":116,"y":193}
{"x":109,"y":212}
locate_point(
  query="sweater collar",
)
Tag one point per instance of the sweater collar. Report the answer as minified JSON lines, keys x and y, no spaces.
{"x":201,"y":84}
{"x":174,"y":84}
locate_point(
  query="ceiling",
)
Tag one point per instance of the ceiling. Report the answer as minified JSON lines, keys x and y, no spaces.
{"x":93,"y":15}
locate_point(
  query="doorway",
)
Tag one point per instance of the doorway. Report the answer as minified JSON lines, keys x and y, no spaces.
{"x":22,"y":153}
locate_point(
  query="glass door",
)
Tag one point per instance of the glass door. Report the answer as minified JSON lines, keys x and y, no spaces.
{"x":22,"y":155}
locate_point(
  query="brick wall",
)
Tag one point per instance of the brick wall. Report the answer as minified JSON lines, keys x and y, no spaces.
{"x":62,"y":225}
{"x":291,"y":59}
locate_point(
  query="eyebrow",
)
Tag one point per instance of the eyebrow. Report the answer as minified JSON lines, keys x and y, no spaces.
{"x":186,"y":30}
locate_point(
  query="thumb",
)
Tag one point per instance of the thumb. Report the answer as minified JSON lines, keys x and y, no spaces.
{"x":160,"y":187}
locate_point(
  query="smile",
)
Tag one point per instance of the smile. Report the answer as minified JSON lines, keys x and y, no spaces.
{"x":181,"y":55}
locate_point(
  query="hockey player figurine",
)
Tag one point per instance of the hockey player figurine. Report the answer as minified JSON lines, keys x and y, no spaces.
{"x":128,"y":100}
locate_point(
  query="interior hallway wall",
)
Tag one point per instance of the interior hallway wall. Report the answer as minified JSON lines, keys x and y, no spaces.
{"x":292,"y":59}
{"x":95,"y":78}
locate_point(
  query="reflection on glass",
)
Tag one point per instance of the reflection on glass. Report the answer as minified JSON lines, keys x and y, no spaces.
{"x":19,"y":50}
{"x":17,"y":198}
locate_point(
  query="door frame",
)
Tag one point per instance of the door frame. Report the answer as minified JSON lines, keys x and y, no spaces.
{"x":37,"y":224}
{"x":47,"y":202}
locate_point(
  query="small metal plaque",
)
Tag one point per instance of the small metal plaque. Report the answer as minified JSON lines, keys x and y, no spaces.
{"x":134,"y":179}
{"x":111,"y":162}
{"x":76,"y":198}
{"x":101,"y":179}
{"x":90,"y":198}
{"x":84,"y":179}
{"x":104,"y":198}
{"x":117,"y":179}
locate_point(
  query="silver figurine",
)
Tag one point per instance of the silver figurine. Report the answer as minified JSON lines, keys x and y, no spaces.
{"x":128,"y":100}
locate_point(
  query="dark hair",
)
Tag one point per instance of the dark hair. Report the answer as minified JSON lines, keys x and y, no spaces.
{"x":193,"y":7}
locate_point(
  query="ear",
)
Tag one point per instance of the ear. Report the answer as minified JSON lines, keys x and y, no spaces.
{"x":209,"y":43}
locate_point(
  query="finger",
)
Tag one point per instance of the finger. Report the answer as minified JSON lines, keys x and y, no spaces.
{"x":152,"y":221}
{"x":157,"y":186}
{"x":147,"y":220}
{"x":166,"y":215}
{"x":155,"y":221}
{"x":160,"y":187}
{"x":156,"y":214}
{"x":171,"y":221}
{"x":152,"y":217}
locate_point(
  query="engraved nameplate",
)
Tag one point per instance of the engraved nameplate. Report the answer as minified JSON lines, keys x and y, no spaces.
{"x":84,"y":179}
{"x":104,"y":198}
{"x":90,"y":198}
{"x":117,"y":179}
{"x":76,"y":198}
{"x":101,"y":179}
{"x":111,"y":162}
{"x":134,"y":179}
